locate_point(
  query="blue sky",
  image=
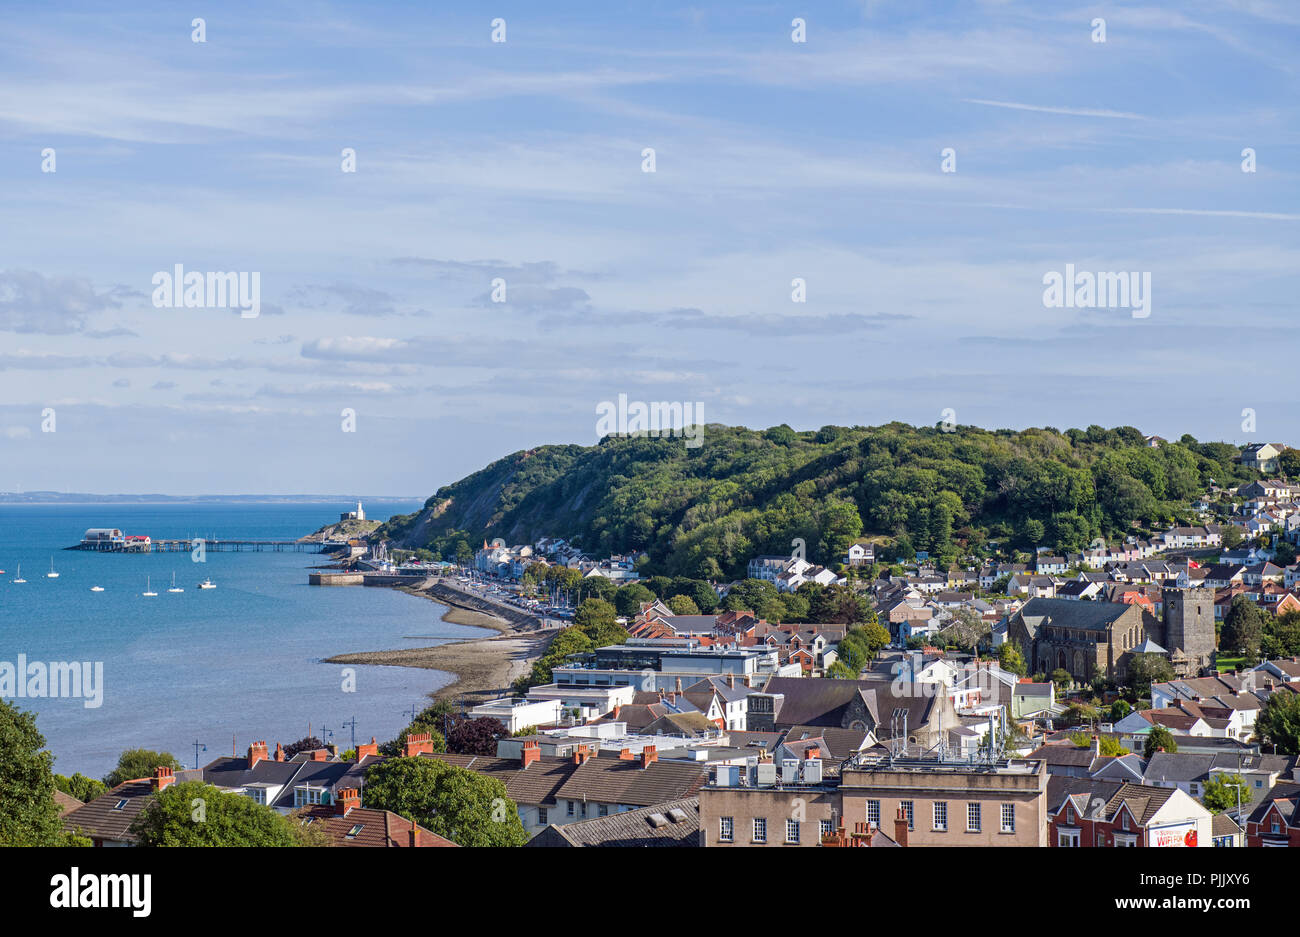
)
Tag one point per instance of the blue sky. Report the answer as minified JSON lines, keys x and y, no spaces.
{"x":522,"y":161}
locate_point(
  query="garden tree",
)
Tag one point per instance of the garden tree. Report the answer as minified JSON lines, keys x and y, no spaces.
{"x":1231,"y":537}
{"x":1159,"y":738}
{"x":1119,"y":709}
{"x":597,"y":587}
{"x":838,"y":605}
{"x":192,"y":813}
{"x":839,"y":670}
{"x":683,"y":605}
{"x":1282,"y":636}
{"x":593,"y":615}
{"x":965,"y":630}
{"x":468,"y":808}
{"x":629,"y":598}
{"x":859,"y":646}
{"x":476,"y":736}
{"x":1109,"y":746}
{"x":81,"y":787}
{"x":1243,"y":628}
{"x":28,"y":814}
{"x":307,"y":744}
{"x":1011,"y":660}
{"x":567,"y":642}
{"x":1077,"y":714}
{"x":1284,"y":553}
{"x":1034,"y":532}
{"x":1061,"y":677}
{"x":795,"y":607}
{"x":1225,"y":792}
{"x":1278,"y":723}
{"x":1288,"y":463}
{"x":1146,"y":669}
{"x":754,"y":595}
{"x":435,"y":719}
{"x":136,"y":763}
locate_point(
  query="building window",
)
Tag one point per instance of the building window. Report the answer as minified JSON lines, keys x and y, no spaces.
{"x":940,"y":817}
{"x":1277,"y":827}
{"x":972,"y":818}
{"x":1124,"y":821}
{"x":602,"y":810}
{"x":258,"y":795}
{"x":792,"y":831}
{"x":760,"y":829}
{"x":873,"y":813}
{"x":1068,"y":839}
{"x":826,"y":827}
{"x":302,"y":796}
{"x":570,"y":808}
{"x":907,"y":812}
{"x":1008,"y":818}
{"x":726,"y":829}
{"x":1194,"y":789}
{"x":541,"y":815}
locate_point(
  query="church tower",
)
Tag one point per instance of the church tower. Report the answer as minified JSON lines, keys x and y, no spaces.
{"x":1189,"y":624}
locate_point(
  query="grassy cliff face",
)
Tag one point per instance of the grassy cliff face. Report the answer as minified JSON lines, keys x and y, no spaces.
{"x":746,"y":491}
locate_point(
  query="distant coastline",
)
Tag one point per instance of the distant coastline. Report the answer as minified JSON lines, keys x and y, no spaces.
{"x":75,"y":498}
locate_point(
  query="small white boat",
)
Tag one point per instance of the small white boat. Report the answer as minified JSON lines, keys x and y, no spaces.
{"x":96,"y":588}
{"x":51,"y":574}
{"x":174,"y":588}
{"x":207,"y":584}
{"x":148,"y":588}
{"x":20,"y":574}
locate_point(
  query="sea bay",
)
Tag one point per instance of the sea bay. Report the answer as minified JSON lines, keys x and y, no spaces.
{"x":222,"y":667}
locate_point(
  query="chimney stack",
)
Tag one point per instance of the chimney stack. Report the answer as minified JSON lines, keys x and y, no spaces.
{"x":415,"y":835}
{"x":320,"y":754}
{"x":279,"y":752}
{"x":256,"y":753}
{"x":162,"y":776}
{"x":418,"y":744}
{"x":900,"y":827}
{"x":371,"y":749}
{"x":349,"y":798}
{"x":1096,"y":746}
{"x":649,"y":755}
{"x":626,"y":755}
{"x":580,"y":754}
{"x":531,"y":752}
{"x":679,"y":684}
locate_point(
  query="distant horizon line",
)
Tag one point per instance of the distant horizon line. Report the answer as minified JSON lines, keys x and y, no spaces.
{"x":44,"y":496}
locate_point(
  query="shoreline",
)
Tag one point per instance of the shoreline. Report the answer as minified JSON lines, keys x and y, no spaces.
{"x":481,"y":668}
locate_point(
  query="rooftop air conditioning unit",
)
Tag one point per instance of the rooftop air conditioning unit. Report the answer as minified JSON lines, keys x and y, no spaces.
{"x":765,"y":773}
{"x":812,"y":771}
{"x":789,"y":770}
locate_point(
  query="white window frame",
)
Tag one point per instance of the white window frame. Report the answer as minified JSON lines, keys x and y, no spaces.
{"x":726,"y":829}
{"x":792,"y":831}
{"x":940,"y":816}
{"x":1008,"y":818}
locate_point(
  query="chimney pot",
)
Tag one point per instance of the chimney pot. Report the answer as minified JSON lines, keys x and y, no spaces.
{"x":348,"y":799}
{"x":531,"y":752}
{"x":279,"y":752}
{"x":649,"y":755}
{"x":162,"y":777}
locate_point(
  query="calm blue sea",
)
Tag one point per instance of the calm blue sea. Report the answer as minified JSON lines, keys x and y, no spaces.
{"x":240,"y":662}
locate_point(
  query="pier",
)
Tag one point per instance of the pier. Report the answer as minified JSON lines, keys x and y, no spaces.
{"x":149,"y":545}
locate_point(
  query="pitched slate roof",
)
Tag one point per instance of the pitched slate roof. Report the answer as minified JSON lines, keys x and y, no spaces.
{"x":1064,"y":613}
{"x":1286,"y":794}
{"x":110,"y":815}
{"x":610,"y":779}
{"x":535,"y":785}
{"x":363,"y":826}
{"x":675,"y":823}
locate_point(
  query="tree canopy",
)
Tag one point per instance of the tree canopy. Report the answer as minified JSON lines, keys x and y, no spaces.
{"x":28,"y":814}
{"x":136,"y":763}
{"x":468,"y":808}
{"x":191,"y":813}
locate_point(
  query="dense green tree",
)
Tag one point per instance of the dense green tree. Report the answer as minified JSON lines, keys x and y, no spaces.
{"x":1243,"y":627}
{"x":1159,"y":738}
{"x":28,"y":815}
{"x":1278,"y":723}
{"x":136,"y":763}
{"x":683,"y":605}
{"x":1282,"y":636}
{"x":1225,"y":792}
{"x":192,"y":813}
{"x":468,"y":808}
{"x":594,"y":614}
{"x":1288,"y":463}
{"x":1146,"y":669}
{"x":628,"y":599}
{"x":308,"y":744}
{"x":81,"y":787}
{"x":1061,"y":677}
{"x":1011,"y":659}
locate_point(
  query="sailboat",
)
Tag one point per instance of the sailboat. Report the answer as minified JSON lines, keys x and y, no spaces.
{"x":207,"y":584}
{"x":173,"y":588}
{"x":20,"y":574}
{"x":51,"y":574}
{"x":148,"y":588}
{"x":96,"y":588}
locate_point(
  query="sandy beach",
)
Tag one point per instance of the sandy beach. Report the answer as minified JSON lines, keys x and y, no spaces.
{"x":483,"y":668}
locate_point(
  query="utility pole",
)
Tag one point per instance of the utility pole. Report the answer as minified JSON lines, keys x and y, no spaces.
{"x":352,"y":724}
{"x":198,"y":747}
